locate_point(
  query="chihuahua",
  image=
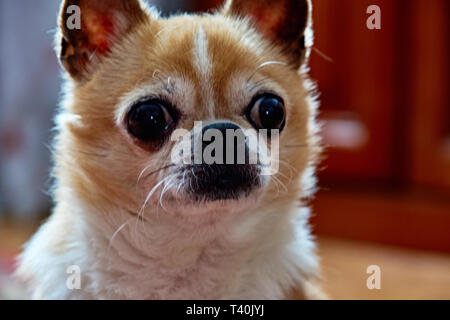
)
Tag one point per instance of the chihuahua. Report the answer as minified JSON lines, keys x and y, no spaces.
{"x":130,"y":220}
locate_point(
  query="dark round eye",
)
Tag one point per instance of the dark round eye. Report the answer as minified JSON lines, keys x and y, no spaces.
{"x":267,"y":111}
{"x":150,"y":120}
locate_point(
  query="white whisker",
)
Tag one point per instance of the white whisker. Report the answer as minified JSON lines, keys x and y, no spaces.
{"x":117,"y":232}
{"x":150,"y":194}
{"x":265,"y":64}
{"x":114,"y":236}
{"x":280,"y":183}
{"x":167,"y":186}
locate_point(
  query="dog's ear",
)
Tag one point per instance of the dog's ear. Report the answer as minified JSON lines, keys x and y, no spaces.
{"x":285,"y":22}
{"x":89,"y":28}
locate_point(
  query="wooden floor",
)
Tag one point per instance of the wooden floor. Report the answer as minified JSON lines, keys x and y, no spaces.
{"x":405,"y":274}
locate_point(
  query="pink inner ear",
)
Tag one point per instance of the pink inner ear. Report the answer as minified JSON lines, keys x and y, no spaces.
{"x":108,"y":29}
{"x":100,"y":30}
{"x":268,"y":20}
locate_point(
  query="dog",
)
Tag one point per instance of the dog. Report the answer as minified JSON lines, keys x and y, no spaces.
{"x":129,"y":222}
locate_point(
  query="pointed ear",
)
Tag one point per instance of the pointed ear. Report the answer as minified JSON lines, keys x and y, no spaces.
{"x":285,"y":22}
{"x":89,"y":28}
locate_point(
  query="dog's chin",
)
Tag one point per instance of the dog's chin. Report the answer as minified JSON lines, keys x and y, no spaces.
{"x":215,"y":205}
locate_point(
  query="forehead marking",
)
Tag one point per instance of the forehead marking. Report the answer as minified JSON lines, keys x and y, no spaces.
{"x":203,"y":66}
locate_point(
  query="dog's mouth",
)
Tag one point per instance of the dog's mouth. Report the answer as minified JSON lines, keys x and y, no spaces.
{"x":222,"y":182}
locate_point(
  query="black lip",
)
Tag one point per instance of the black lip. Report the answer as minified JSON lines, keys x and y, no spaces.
{"x":222,"y":182}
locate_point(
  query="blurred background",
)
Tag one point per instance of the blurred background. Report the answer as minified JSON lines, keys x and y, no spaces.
{"x":384,"y":196}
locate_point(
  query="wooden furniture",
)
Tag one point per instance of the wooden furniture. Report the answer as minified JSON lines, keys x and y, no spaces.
{"x":386,"y":107}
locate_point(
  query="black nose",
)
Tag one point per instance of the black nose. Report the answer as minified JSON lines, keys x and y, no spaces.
{"x":234,"y":147}
{"x":230,"y":176}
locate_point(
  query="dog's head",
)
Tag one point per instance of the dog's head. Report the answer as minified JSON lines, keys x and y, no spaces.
{"x":198,"y":116}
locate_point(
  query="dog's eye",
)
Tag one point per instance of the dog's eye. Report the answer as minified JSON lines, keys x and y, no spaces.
{"x":267,"y":111}
{"x":150,"y":120}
